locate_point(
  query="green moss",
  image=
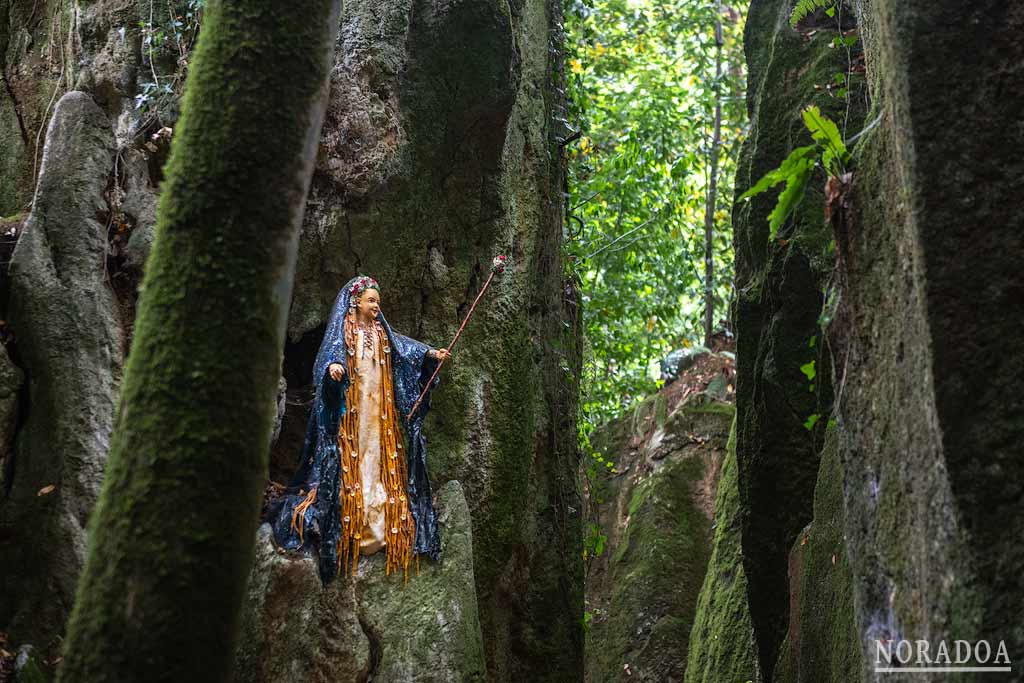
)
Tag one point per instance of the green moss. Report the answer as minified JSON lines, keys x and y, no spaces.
{"x":721,"y":641}
{"x":822,"y":644}
{"x":712,"y":407}
{"x":645,"y":592}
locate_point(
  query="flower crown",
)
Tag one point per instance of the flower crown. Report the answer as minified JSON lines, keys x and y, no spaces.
{"x":361,"y":285}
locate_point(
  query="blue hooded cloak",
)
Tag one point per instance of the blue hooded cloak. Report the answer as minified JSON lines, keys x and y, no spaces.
{"x":411,"y":370}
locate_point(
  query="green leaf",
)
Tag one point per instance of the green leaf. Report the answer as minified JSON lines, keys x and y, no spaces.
{"x":788,"y":198}
{"x":789,"y":167}
{"x":808,"y":369}
{"x":804,"y":8}
{"x":811,"y":421}
{"x":826,"y":133}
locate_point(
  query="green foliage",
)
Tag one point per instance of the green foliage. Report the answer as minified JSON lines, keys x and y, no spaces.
{"x":593,"y":544}
{"x":642,"y":88}
{"x":794,"y":172}
{"x":810,"y":371}
{"x":168,"y":37}
{"x":834,"y":155}
{"x":828,"y":150}
{"x":805,"y":8}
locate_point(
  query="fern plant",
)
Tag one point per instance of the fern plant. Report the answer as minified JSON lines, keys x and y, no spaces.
{"x":804,"y":8}
{"x":828,"y":149}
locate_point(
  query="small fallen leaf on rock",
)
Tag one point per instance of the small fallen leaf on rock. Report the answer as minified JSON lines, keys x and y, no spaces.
{"x":46,"y":489}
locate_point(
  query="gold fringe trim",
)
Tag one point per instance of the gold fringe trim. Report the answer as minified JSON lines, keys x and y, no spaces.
{"x":399,"y":525}
{"x":299,"y":513}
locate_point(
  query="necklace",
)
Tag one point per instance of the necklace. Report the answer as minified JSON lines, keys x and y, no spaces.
{"x":367,"y":331}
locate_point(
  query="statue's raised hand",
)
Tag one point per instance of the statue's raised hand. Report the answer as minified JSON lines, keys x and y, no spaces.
{"x":442,"y":354}
{"x":336,"y":371}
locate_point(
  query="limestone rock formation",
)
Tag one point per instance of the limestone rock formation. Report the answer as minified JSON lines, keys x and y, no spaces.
{"x":438,"y":153}
{"x":780,"y":284}
{"x":657,"y":512}
{"x":70,"y":339}
{"x":722,"y":639}
{"x":930,"y":419}
{"x":821,"y":640}
{"x":370,"y":626}
{"x":441,"y":148}
{"x":901,"y":512}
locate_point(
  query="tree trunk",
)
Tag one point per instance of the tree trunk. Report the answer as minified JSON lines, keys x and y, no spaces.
{"x":171,"y":539}
{"x":709,"y":211}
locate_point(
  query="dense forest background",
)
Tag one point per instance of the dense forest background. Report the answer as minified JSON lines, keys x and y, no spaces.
{"x":659,"y":102}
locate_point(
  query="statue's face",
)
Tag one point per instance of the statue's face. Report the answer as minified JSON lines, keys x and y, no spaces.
{"x":368,"y":304}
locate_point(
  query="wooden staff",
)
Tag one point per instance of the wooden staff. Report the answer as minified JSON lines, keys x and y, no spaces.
{"x":497,"y":266}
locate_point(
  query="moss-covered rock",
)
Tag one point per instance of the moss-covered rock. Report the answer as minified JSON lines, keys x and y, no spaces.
{"x":429,"y":628}
{"x":722,"y":640}
{"x":439,"y":153}
{"x":34,"y":63}
{"x":370,"y":626}
{"x":295,"y":629}
{"x":656,"y":513}
{"x":821,"y":643}
{"x":930,"y":420}
{"x":926,"y":286}
{"x":779,"y":301}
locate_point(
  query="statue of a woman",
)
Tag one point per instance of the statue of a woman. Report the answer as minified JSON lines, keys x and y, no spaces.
{"x":362,"y":483}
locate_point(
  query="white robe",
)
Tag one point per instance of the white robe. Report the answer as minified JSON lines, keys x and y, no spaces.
{"x":368,"y":365}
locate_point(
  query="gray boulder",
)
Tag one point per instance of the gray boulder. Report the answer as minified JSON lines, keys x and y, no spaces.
{"x":65,"y":319}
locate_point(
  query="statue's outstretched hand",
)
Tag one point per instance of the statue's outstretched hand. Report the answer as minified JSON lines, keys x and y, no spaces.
{"x":442,"y":354}
{"x":336,"y":371}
